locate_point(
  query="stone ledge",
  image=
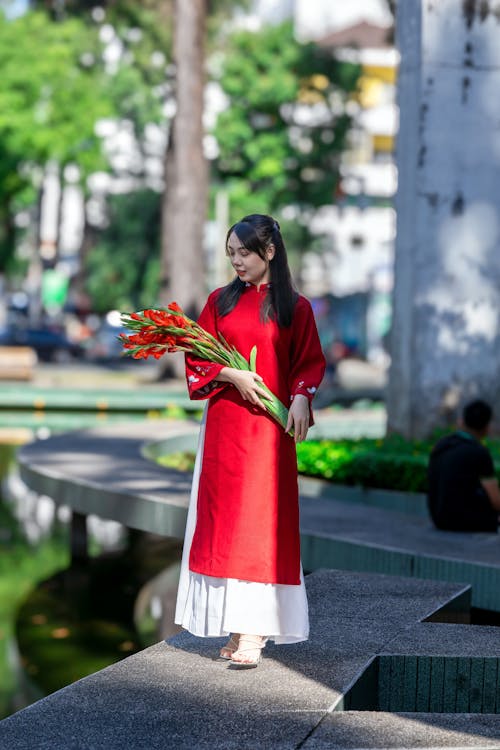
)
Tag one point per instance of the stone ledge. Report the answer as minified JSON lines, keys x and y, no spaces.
{"x":105,"y":471}
{"x":361,"y":730}
{"x":338,"y":534}
{"x":412,"y":503}
{"x":177,"y":694}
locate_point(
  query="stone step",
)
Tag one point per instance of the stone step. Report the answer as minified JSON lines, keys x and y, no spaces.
{"x":179,"y":695}
{"x":362,"y":730}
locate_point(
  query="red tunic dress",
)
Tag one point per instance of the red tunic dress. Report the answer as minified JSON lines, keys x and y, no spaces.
{"x":248,"y":514}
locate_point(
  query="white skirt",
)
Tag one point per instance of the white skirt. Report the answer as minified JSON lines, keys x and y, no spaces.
{"x":213,"y":607}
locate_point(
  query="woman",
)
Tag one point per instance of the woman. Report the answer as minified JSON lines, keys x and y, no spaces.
{"x":241,"y":571}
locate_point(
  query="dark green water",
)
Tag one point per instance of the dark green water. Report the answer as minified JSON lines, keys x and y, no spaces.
{"x":86,"y":640}
{"x":22,"y":566}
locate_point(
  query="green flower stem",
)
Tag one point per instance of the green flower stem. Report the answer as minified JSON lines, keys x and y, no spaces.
{"x":202,"y":344}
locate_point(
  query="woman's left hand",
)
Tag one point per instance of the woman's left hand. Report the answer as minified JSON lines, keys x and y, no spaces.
{"x":298,"y":417}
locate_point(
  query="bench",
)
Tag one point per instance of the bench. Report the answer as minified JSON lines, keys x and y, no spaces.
{"x":17,"y":362}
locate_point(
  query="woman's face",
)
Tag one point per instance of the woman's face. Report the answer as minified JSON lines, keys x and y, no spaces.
{"x":249,"y":266}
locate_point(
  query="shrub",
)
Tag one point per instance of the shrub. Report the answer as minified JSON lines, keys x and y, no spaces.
{"x":391,"y":463}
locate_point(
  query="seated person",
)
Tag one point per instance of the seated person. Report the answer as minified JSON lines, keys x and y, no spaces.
{"x":463,"y":489}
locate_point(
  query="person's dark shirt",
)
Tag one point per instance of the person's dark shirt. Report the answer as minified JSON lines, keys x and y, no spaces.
{"x":456,"y":499}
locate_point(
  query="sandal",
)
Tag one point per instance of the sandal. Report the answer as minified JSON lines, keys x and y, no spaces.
{"x":254,"y":643}
{"x":231,"y":646}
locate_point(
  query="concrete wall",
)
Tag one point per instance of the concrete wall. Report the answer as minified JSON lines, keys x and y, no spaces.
{"x":446,"y":340}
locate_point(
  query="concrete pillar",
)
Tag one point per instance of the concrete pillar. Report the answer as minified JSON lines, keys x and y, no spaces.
{"x":445,"y":340}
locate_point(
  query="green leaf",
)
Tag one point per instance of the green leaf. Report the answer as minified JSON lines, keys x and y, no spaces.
{"x":253,"y":359}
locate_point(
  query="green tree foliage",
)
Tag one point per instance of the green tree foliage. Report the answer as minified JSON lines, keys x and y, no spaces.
{"x":50,"y":96}
{"x":122,"y":270}
{"x":143,"y":33}
{"x":154,"y":17}
{"x":56,"y":85}
{"x":285,"y":125}
{"x":49,"y":102}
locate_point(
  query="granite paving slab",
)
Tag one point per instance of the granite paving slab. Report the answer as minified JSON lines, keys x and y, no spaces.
{"x":409,"y":600}
{"x":362,"y":730}
{"x":103,"y":471}
{"x":178,"y":694}
{"x":442,"y":639}
{"x":397,"y":531}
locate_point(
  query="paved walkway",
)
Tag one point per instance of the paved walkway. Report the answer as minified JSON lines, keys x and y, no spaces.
{"x":368,"y":648}
{"x":102,"y":471}
{"x":177,"y":695}
{"x":395,"y":531}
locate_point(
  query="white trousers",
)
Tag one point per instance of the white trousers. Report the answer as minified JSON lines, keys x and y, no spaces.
{"x":211,"y":607}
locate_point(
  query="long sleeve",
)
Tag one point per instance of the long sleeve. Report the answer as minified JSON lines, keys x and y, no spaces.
{"x":307,"y":359}
{"x":201,"y":375}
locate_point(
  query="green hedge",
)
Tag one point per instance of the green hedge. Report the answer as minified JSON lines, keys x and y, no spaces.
{"x":390,"y":463}
{"x":387,"y":464}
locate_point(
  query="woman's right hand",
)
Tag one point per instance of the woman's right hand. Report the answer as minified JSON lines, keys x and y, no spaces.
{"x":247,"y":383}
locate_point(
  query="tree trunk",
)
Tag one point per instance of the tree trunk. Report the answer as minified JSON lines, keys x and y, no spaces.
{"x":445,"y":338}
{"x":186,"y":173}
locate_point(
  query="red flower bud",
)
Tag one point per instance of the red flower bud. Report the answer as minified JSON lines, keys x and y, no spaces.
{"x":174,"y":307}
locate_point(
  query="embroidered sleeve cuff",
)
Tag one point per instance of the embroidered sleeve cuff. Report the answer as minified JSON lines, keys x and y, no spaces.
{"x":304,"y":390}
{"x":202,"y":380}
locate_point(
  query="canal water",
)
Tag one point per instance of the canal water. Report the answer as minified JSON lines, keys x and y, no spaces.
{"x":34,"y":546}
{"x":30,"y":550}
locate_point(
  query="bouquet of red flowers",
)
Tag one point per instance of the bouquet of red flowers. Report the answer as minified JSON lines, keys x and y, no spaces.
{"x":156,"y":332}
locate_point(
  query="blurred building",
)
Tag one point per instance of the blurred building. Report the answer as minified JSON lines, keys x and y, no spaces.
{"x":352,"y":276}
{"x":359,"y":227}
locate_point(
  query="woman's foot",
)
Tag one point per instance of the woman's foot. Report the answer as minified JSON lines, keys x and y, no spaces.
{"x":249,"y":651}
{"x":231,"y":646}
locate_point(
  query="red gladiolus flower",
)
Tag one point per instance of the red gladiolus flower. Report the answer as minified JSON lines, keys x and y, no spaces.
{"x":158,"y":317}
{"x":155,"y":332}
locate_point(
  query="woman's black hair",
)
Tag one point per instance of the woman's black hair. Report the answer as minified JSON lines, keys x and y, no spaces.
{"x":256,"y":232}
